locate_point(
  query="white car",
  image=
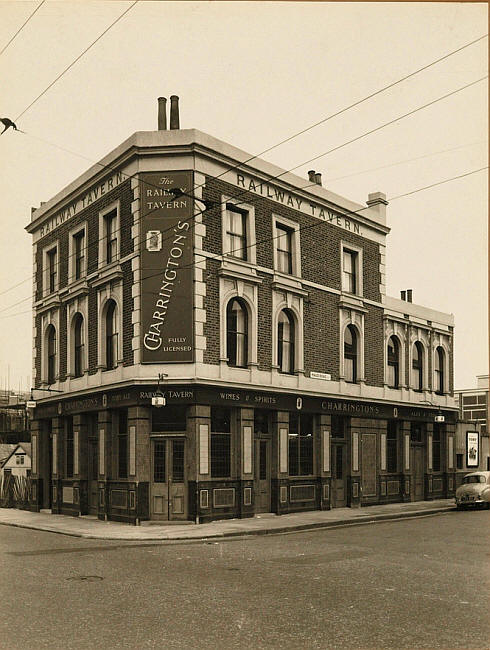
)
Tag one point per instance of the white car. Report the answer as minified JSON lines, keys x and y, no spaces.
{"x":474,"y":491}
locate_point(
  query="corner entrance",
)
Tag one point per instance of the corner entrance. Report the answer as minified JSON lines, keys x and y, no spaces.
{"x":168,"y":489}
{"x":339,"y":478}
{"x":262,"y":478}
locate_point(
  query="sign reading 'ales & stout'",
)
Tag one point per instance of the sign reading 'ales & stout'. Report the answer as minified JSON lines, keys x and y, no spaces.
{"x":167,"y":333}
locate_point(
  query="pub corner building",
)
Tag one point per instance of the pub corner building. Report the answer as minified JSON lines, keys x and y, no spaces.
{"x":221,"y":344}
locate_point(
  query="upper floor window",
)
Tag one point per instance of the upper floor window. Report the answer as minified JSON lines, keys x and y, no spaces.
{"x":439,"y":359}
{"x":287,"y":253}
{"x":52,"y":258}
{"x":236,"y":232}
{"x":286,"y":342}
{"x":79,"y":254}
{"x":110,"y":223}
{"x":109,"y":235}
{"x":417,"y":366}
{"x":284,"y":247}
{"x":237,"y":333}
{"x":349,"y":271}
{"x":111,"y":335}
{"x":51,"y":356}
{"x":78,"y":346}
{"x":393,"y":374}
{"x":350,"y":354}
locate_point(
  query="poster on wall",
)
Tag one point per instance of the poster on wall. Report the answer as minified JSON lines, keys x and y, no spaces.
{"x":472,"y":449}
{"x":167,"y":328}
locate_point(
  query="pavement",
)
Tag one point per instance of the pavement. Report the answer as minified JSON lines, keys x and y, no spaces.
{"x":265,"y":524}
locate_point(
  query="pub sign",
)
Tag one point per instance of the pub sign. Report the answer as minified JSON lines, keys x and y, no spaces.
{"x":167,"y":328}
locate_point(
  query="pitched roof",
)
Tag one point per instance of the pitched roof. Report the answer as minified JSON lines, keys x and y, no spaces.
{"x":6,"y":450}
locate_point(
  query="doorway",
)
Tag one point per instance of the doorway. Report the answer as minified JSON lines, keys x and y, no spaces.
{"x":168,"y":496}
{"x":339,"y":478}
{"x":262,"y":477}
{"x":418,"y":473}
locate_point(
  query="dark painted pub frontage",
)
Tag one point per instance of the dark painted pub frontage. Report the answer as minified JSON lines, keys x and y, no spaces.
{"x":213,"y":453}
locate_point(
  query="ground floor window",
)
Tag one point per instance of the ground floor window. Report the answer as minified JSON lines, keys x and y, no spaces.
{"x":459,"y":461}
{"x":70,"y":449}
{"x":122,"y":443}
{"x":220,"y":442}
{"x":436,"y":448}
{"x":391,"y":447}
{"x":169,"y":419}
{"x":300,"y":444}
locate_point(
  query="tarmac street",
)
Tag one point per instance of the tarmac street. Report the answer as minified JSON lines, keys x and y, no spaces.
{"x":410,"y":583}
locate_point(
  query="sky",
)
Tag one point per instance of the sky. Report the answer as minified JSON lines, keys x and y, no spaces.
{"x":253,"y":74}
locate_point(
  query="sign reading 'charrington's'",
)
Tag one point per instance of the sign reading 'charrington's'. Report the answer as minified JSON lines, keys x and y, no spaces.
{"x":167,"y":333}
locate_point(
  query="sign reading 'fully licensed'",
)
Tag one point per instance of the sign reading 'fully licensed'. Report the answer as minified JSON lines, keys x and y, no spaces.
{"x":166,"y":267}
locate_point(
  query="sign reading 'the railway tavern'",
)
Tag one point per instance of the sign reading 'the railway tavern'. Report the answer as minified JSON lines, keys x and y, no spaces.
{"x":166,"y":268}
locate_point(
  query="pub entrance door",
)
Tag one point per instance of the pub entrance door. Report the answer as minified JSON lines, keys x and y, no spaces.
{"x":262,"y":477}
{"x":339,"y":475}
{"x":168,"y":489}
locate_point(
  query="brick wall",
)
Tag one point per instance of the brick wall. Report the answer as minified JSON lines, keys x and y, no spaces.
{"x":320,"y":262}
{"x":90,"y":215}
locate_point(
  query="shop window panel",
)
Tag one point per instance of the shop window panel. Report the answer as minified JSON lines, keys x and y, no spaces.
{"x":119,"y":498}
{"x":393,"y":487}
{"x":469,"y":399}
{"x":301,"y":493}
{"x":482,"y":399}
{"x":224,"y":497}
{"x":220,"y":419}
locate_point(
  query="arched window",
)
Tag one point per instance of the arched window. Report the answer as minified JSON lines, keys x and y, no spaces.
{"x":393,"y":377}
{"x":285,"y":342}
{"x":51,"y":341}
{"x":237,"y":333}
{"x":78,"y":345}
{"x":350,"y":354}
{"x":111,"y":335}
{"x":417,"y":366}
{"x":439,"y":370}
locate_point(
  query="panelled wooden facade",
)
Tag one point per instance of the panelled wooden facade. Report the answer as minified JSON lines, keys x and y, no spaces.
{"x":291,"y":381}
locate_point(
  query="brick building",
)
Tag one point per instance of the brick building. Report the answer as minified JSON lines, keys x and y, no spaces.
{"x":254,"y":301}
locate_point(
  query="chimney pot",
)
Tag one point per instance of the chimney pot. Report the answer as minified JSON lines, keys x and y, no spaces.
{"x":174,"y":112}
{"x":377,"y":201}
{"x":409,"y":295}
{"x":318,"y":178}
{"x":162,"y":113}
{"x":311,"y":176}
{"x":403,"y":295}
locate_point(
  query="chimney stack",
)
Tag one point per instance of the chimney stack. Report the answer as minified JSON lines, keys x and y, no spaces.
{"x":174,"y":112}
{"x":377,"y":201}
{"x":162,"y":113}
{"x":312,"y":176}
{"x":409,"y":295}
{"x":403,"y":295}
{"x":318,"y":178}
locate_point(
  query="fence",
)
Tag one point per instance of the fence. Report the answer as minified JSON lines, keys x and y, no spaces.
{"x":14,"y":491}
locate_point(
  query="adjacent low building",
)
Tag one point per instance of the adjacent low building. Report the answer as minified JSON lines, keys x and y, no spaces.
{"x":472,"y":436}
{"x":222,"y":345}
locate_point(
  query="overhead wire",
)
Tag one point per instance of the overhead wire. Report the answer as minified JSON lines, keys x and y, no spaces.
{"x":287,"y":139}
{"x":219,"y":257}
{"x":242,"y":193}
{"x":22,"y":27}
{"x":76,"y":60}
